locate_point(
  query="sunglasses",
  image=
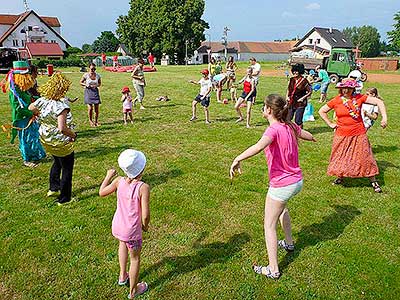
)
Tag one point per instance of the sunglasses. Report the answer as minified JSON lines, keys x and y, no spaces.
{"x":93,"y":69}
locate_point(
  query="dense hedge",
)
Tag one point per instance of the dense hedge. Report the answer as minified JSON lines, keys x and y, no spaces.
{"x":68,"y":62}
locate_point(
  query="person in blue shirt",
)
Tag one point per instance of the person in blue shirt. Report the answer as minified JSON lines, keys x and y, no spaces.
{"x":325,"y":81}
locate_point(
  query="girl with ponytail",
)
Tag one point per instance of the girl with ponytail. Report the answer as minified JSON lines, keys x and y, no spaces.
{"x":280,"y":145}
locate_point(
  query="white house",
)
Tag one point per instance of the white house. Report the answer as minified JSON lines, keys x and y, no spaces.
{"x":28,"y":27}
{"x":323,"y":40}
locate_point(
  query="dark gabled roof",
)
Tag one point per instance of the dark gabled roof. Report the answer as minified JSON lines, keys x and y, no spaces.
{"x":21,"y":18}
{"x":334,"y":37}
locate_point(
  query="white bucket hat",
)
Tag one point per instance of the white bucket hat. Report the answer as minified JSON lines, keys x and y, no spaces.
{"x":132,"y":162}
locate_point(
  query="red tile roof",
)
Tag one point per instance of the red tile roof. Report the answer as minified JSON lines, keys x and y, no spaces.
{"x":253,"y":47}
{"x":12,"y":19}
{"x":44,"y":49}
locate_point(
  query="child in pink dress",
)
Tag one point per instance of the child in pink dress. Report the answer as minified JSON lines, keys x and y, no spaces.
{"x":131,"y":217}
{"x":126,"y":104}
{"x":280,"y":146}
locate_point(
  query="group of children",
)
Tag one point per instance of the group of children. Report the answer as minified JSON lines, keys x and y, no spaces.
{"x":209,"y":82}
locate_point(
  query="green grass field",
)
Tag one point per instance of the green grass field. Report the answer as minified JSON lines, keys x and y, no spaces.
{"x":204,"y":233}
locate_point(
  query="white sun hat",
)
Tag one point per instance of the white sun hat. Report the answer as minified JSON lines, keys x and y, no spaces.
{"x":132,"y":162}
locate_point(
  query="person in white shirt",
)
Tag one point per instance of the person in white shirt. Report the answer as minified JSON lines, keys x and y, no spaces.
{"x":204,"y":96}
{"x":370,"y":112}
{"x":256,"y":67}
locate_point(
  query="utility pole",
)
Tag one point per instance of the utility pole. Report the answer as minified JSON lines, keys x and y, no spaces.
{"x":26,"y":5}
{"x":225,"y":41}
{"x":186,"y":52}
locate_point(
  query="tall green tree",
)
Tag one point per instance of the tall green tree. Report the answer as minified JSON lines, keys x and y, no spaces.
{"x":366,"y":37}
{"x":394,"y":35}
{"x":87,"y":48}
{"x":160,"y":26}
{"x":106,"y":42}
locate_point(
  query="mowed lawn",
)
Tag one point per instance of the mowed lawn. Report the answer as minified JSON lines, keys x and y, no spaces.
{"x":205,"y":233}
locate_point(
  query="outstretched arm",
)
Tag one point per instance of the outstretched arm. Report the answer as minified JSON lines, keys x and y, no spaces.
{"x":264,"y":142}
{"x":307,"y":136}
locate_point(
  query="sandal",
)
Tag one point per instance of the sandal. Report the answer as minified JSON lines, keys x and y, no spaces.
{"x":337,"y":181}
{"x":376,"y":187}
{"x":141,"y":288}
{"x":123,"y":282}
{"x":283,"y":245}
{"x":266,"y":271}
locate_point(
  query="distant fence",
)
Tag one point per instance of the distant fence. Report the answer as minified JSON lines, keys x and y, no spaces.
{"x":379,"y":64}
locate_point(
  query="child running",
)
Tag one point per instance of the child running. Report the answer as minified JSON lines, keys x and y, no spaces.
{"x":126,"y":104}
{"x":280,"y":146}
{"x":369,"y":112}
{"x":131,"y":217}
{"x":203,"y":97}
{"x":249,"y":88}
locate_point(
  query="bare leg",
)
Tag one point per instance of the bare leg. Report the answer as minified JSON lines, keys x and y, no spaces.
{"x":90,"y":114}
{"x":131,"y":117}
{"x":248,"y":115}
{"x":134,"y":270}
{"x":207,"y":113}
{"x":219,"y":92}
{"x":194,"y":103}
{"x":125,"y":118}
{"x":237,"y":107}
{"x":96,"y":114}
{"x":286,"y":226}
{"x":273,"y":209}
{"x":123,"y":259}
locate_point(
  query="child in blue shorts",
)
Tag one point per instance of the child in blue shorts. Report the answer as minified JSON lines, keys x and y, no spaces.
{"x":203,"y":97}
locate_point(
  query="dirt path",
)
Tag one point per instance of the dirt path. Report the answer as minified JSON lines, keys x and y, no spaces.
{"x":382,"y":78}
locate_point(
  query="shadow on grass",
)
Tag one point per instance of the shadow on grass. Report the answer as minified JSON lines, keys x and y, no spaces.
{"x":205,"y":255}
{"x":90,"y":133}
{"x":101,"y":151}
{"x":330,"y":228}
{"x":162,"y":105}
{"x":380,"y":149}
{"x":154,"y":179}
{"x":226,"y":119}
{"x":364,"y":182}
{"x":86,"y":192}
{"x":319,"y":129}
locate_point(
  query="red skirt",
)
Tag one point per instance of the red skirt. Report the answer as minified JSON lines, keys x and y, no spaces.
{"x":352,"y":157}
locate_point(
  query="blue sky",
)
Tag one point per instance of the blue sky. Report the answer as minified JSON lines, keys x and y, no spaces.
{"x":251,"y":20}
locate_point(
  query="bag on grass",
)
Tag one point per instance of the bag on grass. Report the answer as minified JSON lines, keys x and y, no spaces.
{"x":308,"y":113}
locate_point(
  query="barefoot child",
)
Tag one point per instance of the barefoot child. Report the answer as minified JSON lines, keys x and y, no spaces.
{"x":126,"y":104}
{"x":280,"y":146}
{"x":131,"y":217}
{"x":369,"y":112}
{"x":249,"y":88}
{"x":204,"y":96}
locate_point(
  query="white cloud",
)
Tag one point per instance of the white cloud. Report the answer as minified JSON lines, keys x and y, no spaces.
{"x":313,"y":6}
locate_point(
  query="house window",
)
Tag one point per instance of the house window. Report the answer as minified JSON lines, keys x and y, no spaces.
{"x":15,"y":43}
{"x":23,"y":43}
{"x":29,"y":28}
{"x":53,"y":41}
{"x":310,"y":41}
{"x":318,"y":41}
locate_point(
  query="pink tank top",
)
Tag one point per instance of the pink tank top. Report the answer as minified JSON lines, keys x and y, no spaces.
{"x":127,"y":221}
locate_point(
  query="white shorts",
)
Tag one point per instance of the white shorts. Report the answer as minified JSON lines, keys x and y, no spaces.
{"x":286,"y":192}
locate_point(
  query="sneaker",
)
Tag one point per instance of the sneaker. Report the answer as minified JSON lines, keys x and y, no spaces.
{"x":283,"y":245}
{"x":192,"y":119}
{"x":53,"y":193}
{"x":65,"y":202}
{"x":208,"y":122}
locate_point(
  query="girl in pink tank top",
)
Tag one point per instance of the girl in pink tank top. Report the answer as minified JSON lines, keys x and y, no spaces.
{"x":131,"y":216}
{"x":279,"y":143}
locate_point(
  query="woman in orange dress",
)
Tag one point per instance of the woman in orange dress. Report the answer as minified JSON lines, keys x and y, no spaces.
{"x":351,"y":151}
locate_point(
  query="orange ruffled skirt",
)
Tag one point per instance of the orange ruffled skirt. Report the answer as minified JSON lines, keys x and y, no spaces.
{"x":352,"y":157}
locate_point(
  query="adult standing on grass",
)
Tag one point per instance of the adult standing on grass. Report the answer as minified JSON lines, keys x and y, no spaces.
{"x":299,"y":89}
{"x":280,"y":145}
{"x":256,"y":67}
{"x":56,"y":135}
{"x":103,"y":59}
{"x":351,"y":154}
{"x":91,"y":81}
{"x":211,"y":68}
{"x":325,"y":81}
{"x":139,"y":82}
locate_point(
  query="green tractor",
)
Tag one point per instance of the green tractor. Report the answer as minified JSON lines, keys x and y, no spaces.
{"x":338,"y":64}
